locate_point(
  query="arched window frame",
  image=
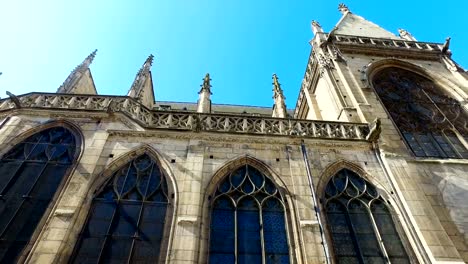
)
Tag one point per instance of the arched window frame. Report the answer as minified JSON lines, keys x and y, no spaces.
{"x":105,"y":175}
{"x":374,"y":69}
{"x":336,"y":168}
{"x":20,"y":137}
{"x":224,"y":172}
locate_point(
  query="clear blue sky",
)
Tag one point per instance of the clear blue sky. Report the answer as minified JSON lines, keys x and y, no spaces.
{"x":240,"y":43}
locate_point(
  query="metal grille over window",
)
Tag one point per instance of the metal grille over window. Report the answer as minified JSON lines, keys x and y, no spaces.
{"x":30,"y":174}
{"x":248,"y":222}
{"x":126,"y":220}
{"x":358,"y":218}
{"x":432,"y":123}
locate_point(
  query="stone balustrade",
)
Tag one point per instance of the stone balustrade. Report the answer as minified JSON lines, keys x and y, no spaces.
{"x":189,"y":121}
{"x":387,"y":43}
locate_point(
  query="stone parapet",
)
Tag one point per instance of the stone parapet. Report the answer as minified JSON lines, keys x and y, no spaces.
{"x":189,"y":121}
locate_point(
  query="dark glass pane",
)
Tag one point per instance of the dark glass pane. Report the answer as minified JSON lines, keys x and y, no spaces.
{"x":222,"y":236}
{"x":363,"y":229}
{"x":340,"y":229}
{"x":100,"y":218}
{"x":89,"y":250}
{"x":274,"y":232}
{"x":152,"y":223}
{"x":387,"y":230}
{"x":248,"y":232}
{"x":145,"y":251}
{"x":28,"y":181}
{"x":125,"y":222}
{"x":256,"y":177}
{"x":122,"y":221}
{"x":237,"y":177}
{"x":24,"y":179}
{"x":418,"y":107}
{"x":249,"y":188}
{"x":8,"y":174}
{"x":269,"y":187}
{"x":49,"y":181}
{"x":116,"y":250}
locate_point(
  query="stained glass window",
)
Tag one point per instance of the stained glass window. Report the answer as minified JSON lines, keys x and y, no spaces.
{"x":431,"y":122}
{"x":358,"y":218}
{"x":248,"y":220}
{"x":30,"y":175}
{"x":127,"y":217}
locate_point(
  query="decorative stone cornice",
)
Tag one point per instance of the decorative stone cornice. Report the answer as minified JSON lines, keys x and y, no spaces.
{"x":190,"y":121}
{"x":382,"y":45}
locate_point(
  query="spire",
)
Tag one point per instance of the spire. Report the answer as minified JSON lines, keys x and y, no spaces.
{"x":142,"y":86}
{"x":75,"y":83}
{"x":204,"y":101}
{"x":279,"y":107}
{"x":343,"y":9}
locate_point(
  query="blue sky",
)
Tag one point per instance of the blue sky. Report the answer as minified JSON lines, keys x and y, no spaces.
{"x":240,"y":43}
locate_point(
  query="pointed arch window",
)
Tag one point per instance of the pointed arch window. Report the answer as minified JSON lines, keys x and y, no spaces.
{"x":30,"y":175}
{"x":127,"y":217}
{"x":432,"y":123}
{"x":358,"y":218}
{"x":248,"y":221}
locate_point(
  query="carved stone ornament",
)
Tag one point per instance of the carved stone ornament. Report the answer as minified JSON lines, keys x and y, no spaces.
{"x":187,"y":121}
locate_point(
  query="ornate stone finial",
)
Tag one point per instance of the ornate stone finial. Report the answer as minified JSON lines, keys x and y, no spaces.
{"x":343,"y":8}
{"x":316,"y":27}
{"x":404,"y":34}
{"x":279,"y":107}
{"x":79,"y":70}
{"x":206,"y":86}
{"x":89,"y":59}
{"x":204,"y":101}
{"x":446,"y":46}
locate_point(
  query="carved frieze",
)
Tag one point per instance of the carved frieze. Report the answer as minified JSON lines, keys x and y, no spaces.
{"x":69,"y":104}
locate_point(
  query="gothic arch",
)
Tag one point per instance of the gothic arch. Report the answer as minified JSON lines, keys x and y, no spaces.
{"x":421,"y":109}
{"x":221,"y":174}
{"x":234,"y":163}
{"x":103,"y":177}
{"x":74,"y":128}
{"x":441,"y":81}
{"x":333,"y":168}
{"x":362,"y":225}
{"x":76,"y":132}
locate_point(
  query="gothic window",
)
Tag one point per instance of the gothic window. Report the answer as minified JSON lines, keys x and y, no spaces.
{"x":430,"y":121}
{"x":127,"y":217}
{"x":30,"y":175}
{"x":248,"y":220}
{"x":358,"y":218}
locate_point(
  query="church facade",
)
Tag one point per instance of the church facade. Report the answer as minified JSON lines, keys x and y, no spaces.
{"x":369,"y":167}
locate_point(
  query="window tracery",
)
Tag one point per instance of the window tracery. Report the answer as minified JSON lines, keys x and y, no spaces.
{"x":30,"y":175}
{"x":430,"y":121}
{"x":358,"y":218}
{"x":248,"y":220}
{"x":127,"y":217}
